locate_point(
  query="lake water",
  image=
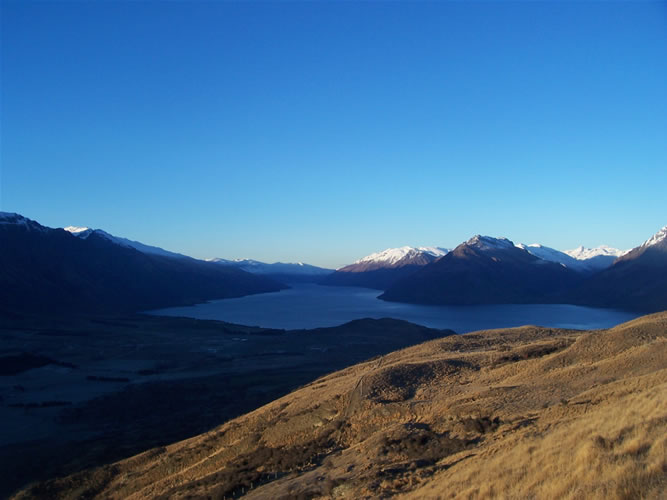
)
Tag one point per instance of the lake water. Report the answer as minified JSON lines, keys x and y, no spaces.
{"x":312,"y":306}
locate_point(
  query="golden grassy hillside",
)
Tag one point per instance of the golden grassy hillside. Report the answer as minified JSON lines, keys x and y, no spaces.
{"x":519,"y":413}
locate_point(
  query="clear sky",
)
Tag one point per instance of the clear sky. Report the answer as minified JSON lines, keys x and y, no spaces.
{"x":322,"y":132}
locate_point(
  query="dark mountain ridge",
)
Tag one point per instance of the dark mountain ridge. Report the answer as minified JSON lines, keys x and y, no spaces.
{"x":49,"y":270}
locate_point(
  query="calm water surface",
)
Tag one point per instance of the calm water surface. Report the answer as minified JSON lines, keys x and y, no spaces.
{"x":312,"y":306}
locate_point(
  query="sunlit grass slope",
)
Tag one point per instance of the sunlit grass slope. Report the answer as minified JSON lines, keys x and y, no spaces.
{"x":519,"y":413}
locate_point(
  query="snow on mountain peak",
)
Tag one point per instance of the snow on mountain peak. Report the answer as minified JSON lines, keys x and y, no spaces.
{"x":392,"y":256}
{"x":76,"y":229}
{"x":656,"y":238}
{"x":79,"y":231}
{"x":489,"y":243}
{"x":583,"y":253}
{"x":552,"y":255}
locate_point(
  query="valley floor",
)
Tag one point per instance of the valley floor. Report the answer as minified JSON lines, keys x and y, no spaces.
{"x":519,"y":413}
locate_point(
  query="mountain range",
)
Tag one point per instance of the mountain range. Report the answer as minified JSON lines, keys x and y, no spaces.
{"x":79,"y":267}
{"x":378,"y":270}
{"x":382,"y":269}
{"x":486,"y":270}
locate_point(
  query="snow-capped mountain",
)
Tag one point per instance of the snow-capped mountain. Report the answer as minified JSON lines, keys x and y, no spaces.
{"x":584,"y":264}
{"x":654,"y":250}
{"x":598,"y":258}
{"x":85,"y":232}
{"x":581,"y":259}
{"x":488,"y":243}
{"x":380,"y":269}
{"x":656,"y":239}
{"x":484,"y":270}
{"x":283,"y":268}
{"x":583,"y":253}
{"x":396,"y":257}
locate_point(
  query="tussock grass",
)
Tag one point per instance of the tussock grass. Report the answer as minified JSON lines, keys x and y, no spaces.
{"x":615,"y":450}
{"x":520,"y":413}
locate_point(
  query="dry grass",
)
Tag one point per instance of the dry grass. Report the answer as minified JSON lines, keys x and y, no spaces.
{"x":615,"y":449}
{"x":519,"y":413}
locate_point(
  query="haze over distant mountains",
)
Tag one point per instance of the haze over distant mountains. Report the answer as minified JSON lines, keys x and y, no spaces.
{"x":282,"y":271}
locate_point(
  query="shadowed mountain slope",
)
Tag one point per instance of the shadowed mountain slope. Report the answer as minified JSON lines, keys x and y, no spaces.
{"x":286,"y":272}
{"x":46,"y":269}
{"x":521,"y":413}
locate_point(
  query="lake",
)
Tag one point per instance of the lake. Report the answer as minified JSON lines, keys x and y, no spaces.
{"x":313,"y":306}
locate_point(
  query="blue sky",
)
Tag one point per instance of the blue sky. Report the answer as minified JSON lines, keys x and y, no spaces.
{"x":322,"y":132}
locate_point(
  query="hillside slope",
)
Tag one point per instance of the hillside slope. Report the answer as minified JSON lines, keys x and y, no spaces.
{"x":519,"y":413}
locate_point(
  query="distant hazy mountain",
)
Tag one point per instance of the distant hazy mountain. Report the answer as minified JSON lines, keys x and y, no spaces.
{"x":637,"y":280}
{"x":50,"y":270}
{"x":257,"y":267}
{"x":85,"y":232}
{"x":552,"y":255}
{"x":485,"y":270}
{"x":281,"y":271}
{"x":597,"y":258}
{"x":381,"y":269}
{"x":586,"y":260}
